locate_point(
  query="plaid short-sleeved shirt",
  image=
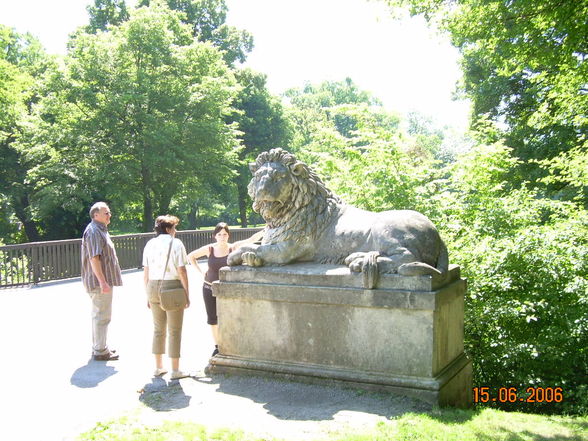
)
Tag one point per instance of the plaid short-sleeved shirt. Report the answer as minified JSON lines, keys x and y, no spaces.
{"x":96,"y":242}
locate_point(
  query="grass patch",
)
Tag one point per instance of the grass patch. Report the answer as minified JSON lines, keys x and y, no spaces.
{"x":125,"y":429}
{"x":439,"y":425}
{"x":483,"y":425}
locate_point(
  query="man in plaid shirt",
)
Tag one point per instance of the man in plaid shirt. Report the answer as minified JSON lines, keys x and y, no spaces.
{"x":100,"y":273}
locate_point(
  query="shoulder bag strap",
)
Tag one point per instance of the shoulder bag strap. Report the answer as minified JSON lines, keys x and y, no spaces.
{"x":165,"y":267}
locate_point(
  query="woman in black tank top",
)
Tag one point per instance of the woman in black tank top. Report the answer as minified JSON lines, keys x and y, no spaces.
{"x":217,"y":254}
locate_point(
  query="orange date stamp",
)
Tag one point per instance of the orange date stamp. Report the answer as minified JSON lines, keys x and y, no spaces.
{"x":513,"y":395}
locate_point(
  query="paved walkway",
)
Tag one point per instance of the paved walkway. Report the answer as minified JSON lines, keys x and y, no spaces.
{"x":52,"y":390}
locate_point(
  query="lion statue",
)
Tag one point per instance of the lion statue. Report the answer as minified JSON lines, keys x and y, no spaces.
{"x":307,"y":222}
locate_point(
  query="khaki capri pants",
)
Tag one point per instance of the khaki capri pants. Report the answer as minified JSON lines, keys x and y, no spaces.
{"x":165,"y":322}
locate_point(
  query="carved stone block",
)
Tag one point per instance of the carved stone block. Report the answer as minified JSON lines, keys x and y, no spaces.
{"x":318,"y":323}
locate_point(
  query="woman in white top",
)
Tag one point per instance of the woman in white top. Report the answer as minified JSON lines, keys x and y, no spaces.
{"x":154,"y":259}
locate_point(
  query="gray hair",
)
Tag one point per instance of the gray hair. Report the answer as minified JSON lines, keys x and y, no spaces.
{"x":96,"y":208}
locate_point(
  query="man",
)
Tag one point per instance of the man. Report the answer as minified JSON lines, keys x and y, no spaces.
{"x":100,"y":272}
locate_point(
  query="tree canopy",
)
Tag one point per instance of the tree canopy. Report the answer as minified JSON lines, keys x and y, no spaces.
{"x":207,"y":21}
{"x":152,"y":99}
{"x":106,"y":12}
{"x":262,"y":124}
{"x":524,"y":68}
{"x":23,"y":63}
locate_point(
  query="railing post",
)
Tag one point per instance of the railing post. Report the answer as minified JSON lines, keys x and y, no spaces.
{"x":35,"y":262}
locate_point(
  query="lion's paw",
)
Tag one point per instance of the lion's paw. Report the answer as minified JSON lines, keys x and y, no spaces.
{"x":355,"y":262}
{"x":234,"y":259}
{"x":366,"y":263}
{"x":252,"y":259}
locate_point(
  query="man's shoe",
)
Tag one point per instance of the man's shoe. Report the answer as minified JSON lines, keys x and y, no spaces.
{"x":110,"y":355}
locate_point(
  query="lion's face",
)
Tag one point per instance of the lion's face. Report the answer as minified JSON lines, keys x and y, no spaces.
{"x":272,"y":190}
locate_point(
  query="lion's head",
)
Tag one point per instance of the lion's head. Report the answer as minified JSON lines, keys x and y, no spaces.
{"x":283,"y":188}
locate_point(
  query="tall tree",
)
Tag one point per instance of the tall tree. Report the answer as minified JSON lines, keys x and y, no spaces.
{"x":144,"y":110}
{"x":331,"y":93}
{"x":525,"y":68}
{"x":106,"y":12}
{"x":22,"y":60}
{"x":358,"y":148}
{"x":319,"y":109}
{"x":207,"y":19}
{"x":260,"y":119}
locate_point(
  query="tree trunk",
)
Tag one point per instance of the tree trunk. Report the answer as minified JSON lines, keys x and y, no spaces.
{"x":192,"y":216}
{"x":147,"y":211}
{"x":21,"y":205}
{"x":163,"y":205}
{"x":242,"y":196}
{"x":147,"y":199}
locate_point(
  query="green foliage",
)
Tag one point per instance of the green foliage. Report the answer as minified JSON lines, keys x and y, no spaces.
{"x":312,"y":106}
{"x":142,"y":111}
{"x":502,"y":211}
{"x":360,"y":150}
{"x":23,"y":64}
{"x":528,"y":310}
{"x":524,"y":65}
{"x":106,"y":12}
{"x":262,"y":124}
{"x":428,"y":138}
{"x":207,"y":19}
{"x":372,"y":169}
{"x":525,"y":258}
{"x":139,"y":114}
{"x":319,"y":114}
{"x":259,"y":115}
{"x":568,"y":178}
{"x":329,"y":94}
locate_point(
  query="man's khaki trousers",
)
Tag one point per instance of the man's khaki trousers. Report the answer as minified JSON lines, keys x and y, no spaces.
{"x":101,"y":315}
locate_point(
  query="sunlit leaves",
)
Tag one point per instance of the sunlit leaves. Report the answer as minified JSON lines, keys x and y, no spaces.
{"x":151,"y":106}
{"x":524,"y":65}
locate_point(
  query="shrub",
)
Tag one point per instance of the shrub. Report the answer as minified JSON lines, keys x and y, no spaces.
{"x":526,"y":261}
{"x":527,"y":311}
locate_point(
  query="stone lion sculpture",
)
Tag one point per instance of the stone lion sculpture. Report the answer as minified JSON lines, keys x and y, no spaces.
{"x":307,"y":222}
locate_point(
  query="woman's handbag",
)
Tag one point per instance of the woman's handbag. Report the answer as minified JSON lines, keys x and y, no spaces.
{"x":171,"y":299}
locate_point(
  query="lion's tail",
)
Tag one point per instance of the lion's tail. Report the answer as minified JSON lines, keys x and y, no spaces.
{"x":423,"y":269}
{"x":443,"y":259}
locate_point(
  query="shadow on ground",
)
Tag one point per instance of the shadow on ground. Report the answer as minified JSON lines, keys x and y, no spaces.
{"x":162,"y":396}
{"x":294,"y":400}
{"x":92,"y":374}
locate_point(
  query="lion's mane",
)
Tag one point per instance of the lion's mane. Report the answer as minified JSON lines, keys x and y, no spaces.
{"x":310,"y":207}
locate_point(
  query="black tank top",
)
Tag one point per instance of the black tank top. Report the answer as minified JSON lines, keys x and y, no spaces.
{"x":214,"y":265}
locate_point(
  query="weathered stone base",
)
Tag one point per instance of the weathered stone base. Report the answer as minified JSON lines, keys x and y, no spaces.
{"x":449,"y":389}
{"x":316,"y":323}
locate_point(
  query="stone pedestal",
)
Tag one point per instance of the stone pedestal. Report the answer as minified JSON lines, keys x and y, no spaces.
{"x":317,"y":322}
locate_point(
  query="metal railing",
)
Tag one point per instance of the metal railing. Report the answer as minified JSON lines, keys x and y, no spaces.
{"x":34,"y":262}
